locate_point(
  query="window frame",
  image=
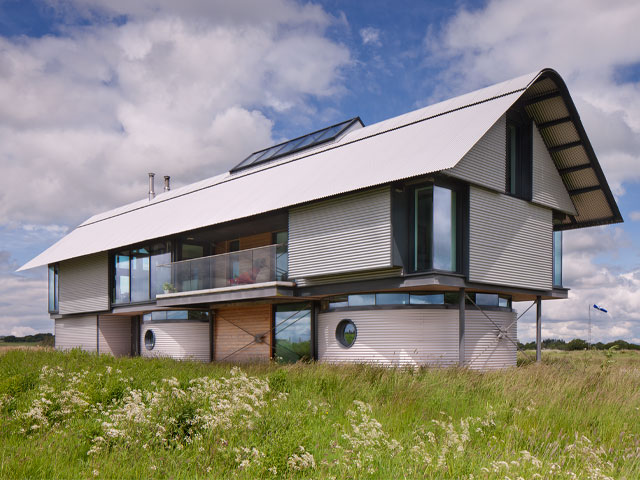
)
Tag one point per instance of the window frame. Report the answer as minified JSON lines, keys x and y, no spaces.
{"x":523,"y":168}
{"x":55,"y":268}
{"x":555,"y":259}
{"x":460,"y":212}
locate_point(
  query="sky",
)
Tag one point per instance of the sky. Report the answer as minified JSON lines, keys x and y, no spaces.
{"x":95,"y":94}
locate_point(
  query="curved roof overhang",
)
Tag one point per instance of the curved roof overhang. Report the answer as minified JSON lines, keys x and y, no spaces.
{"x":549,"y":104}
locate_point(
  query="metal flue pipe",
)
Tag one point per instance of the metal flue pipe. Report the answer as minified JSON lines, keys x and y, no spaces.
{"x":152,"y":193}
{"x":167,"y":185}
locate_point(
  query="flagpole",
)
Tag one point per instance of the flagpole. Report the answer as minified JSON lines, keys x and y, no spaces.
{"x":589,"y":342}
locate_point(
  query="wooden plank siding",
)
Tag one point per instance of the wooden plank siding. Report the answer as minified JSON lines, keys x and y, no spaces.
{"x":256,"y":319}
{"x":251,"y":241}
{"x":114,"y":335}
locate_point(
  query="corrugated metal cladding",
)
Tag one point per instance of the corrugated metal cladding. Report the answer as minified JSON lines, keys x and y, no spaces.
{"x":179,"y":340}
{"x":483,"y":349}
{"x":235,"y":329}
{"x":350,"y":277}
{"x":114,"y":335}
{"x":84,"y":284}
{"x":77,"y":332}
{"x":548,"y":188}
{"x":509,"y":241}
{"x":392,"y":337}
{"x":344,"y":234}
{"x":485,"y":164}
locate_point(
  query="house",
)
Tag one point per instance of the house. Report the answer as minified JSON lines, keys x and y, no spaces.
{"x":401,"y":243}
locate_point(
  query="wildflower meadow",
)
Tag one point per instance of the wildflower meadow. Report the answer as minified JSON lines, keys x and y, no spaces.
{"x":80,"y":415}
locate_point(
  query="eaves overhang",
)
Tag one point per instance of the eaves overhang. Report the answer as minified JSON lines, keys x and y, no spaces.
{"x":548,"y":102}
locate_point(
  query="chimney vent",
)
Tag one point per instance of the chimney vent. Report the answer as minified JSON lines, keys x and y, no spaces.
{"x":152,"y":194}
{"x":167,"y":185}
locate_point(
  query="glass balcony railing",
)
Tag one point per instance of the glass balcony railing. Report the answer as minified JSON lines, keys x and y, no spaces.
{"x":244,"y":267}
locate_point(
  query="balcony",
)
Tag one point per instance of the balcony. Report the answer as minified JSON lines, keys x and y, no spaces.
{"x":261,"y":270}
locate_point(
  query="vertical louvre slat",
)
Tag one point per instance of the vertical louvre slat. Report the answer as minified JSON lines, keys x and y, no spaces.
{"x":84,"y":284}
{"x":509,"y":241}
{"x":77,"y":332}
{"x":392,"y":337}
{"x":349,"y":233}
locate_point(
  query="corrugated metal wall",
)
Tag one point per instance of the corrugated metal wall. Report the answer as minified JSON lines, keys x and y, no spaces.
{"x":114,"y":335}
{"x":179,"y":340}
{"x":548,"y":188}
{"x":483,"y":349}
{"x":509,"y":241}
{"x":228,"y":338}
{"x":84,"y":284}
{"x":392,"y":337}
{"x":75,"y":332}
{"x":343,"y":234}
{"x":350,"y":277}
{"x":485,"y":164}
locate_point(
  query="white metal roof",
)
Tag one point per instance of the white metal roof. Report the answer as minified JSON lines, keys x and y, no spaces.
{"x":427,"y":140}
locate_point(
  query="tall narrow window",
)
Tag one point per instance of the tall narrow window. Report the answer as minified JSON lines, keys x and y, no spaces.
{"x":160,"y":270}
{"x":519,"y":155}
{"x":557,"y":258}
{"x":121,"y":278}
{"x":53,"y":289}
{"x":435,"y":232}
{"x":282,"y":255}
{"x":140,"y":270}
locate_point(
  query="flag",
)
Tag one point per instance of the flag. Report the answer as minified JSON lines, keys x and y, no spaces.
{"x":600,"y":308}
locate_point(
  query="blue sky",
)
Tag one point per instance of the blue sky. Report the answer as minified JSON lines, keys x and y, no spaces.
{"x":95,"y":94}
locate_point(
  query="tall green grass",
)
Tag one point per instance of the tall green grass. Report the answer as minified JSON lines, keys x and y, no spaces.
{"x":78,"y":415}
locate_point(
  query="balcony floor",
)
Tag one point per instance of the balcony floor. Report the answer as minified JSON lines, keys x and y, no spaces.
{"x":227,"y":294}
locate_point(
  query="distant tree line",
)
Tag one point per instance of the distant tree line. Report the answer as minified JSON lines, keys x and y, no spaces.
{"x":42,"y":338}
{"x":578,"y":344}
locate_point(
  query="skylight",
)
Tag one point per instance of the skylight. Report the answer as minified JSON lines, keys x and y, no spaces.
{"x":297,"y":144}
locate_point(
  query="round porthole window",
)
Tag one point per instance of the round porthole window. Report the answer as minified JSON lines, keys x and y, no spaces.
{"x":346,"y":333}
{"x":149,"y":340}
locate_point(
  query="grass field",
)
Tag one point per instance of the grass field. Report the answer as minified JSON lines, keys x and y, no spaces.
{"x":79,"y":415}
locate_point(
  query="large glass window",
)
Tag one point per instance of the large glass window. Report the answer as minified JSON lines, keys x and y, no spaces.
{"x":435,"y":233}
{"x":138,"y":274}
{"x":53,"y":288}
{"x":557,"y":258}
{"x":293,"y":332}
{"x":368,"y":300}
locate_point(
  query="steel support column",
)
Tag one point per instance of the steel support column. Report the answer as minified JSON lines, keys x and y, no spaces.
{"x":461,"y":327}
{"x":538,"y":328}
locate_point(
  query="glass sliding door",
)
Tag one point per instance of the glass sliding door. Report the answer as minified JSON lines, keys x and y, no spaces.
{"x":293,"y":332}
{"x":160,"y":255}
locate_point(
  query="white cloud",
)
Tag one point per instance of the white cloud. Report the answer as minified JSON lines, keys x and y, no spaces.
{"x":588,"y":42}
{"x":635,"y":216}
{"x":23,"y":331}
{"x":370,"y":36}
{"x":178,"y":89}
